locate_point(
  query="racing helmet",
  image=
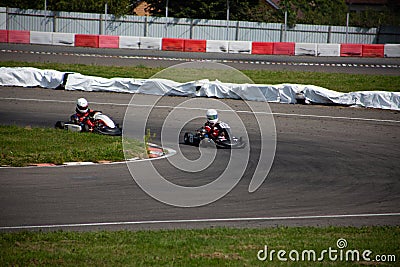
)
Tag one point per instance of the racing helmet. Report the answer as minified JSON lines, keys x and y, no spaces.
{"x":212,"y":116}
{"x":82,"y":105}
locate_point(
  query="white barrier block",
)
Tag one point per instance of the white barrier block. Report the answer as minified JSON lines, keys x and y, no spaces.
{"x":131,"y":42}
{"x":243,"y":47}
{"x":328,"y":50}
{"x":66,"y":39}
{"x":305,"y":49}
{"x":392,"y":50}
{"x":217,"y":46}
{"x":151,"y":43}
{"x":44,"y":38}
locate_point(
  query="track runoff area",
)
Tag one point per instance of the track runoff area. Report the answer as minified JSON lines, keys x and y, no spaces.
{"x":324,"y":170}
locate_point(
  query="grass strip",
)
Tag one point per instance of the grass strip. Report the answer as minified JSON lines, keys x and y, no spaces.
{"x":340,"y":82}
{"x":23,"y":146}
{"x":205,"y":247}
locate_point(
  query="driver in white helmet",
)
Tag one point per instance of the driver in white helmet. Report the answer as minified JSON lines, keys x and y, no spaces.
{"x":212,"y":125}
{"x":82,"y":115}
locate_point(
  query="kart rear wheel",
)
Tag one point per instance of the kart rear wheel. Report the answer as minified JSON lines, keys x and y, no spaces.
{"x":186,"y":139}
{"x":59,"y":125}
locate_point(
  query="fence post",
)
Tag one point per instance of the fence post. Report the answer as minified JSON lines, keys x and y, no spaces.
{"x":283,"y":29}
{"x":282,"y":33}
{"x":101,"y":24}
{"x":54,"y":21}
{"x":347,"y":26}
{"x":7,"y":23}
{"x":237,"y":31}
{"x":191,"y":29}
{"x":329,"y":34}
{"x":378,"y":34}
{"x":145,"y":26}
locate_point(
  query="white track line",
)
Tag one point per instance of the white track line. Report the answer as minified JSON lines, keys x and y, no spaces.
{"x":188,"y":108}
{"x":283,"y":218}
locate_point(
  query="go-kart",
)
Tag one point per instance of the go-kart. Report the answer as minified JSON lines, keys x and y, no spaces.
{"x":224,"y":140}
{"x":102,"y":125}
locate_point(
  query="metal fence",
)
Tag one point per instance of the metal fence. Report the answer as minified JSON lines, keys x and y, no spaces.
{"x":89,"y":23}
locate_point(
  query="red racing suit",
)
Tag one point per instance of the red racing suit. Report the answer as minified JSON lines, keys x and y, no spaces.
{"x":215,"y":130}
{"x":83,"y":119}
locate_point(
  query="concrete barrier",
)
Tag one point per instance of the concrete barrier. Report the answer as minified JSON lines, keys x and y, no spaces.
{"x":305,"y":49}
{"x":217,"y":46}
{"x":262,"y":48}
{"x":173,"y":44}
{"x":194,"y":45}
{"x":239,"y":47}
{"x":328,"y":50}
{"x":108,"y":41}
{"x":43,"y":38}
{"x":150,"y":43}
{"x":87,"y":40}
{"x":284,"y":48}
{"x":392,"y":50}
{"x":19,"y":37}
{"x":351,"y":50}
{"x":65,"y":39}
{"x":129,"y":42}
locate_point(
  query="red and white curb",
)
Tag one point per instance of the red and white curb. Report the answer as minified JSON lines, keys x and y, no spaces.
{"x":154,"y":152}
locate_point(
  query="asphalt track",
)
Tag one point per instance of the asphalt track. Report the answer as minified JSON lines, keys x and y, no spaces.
{"x":333,"y":166}
{"x":164,"y":59}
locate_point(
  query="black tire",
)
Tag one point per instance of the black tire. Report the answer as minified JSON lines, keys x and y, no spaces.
{"x":108,"y":131}
{"x":59,"y":125}
{"x":85,"y":128}
{"x":186,"y":139}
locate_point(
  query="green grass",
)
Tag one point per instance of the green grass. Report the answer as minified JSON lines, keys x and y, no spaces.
{"x":23,"y":146}
{"x":334,"y":81}
{"x":206,"y":247}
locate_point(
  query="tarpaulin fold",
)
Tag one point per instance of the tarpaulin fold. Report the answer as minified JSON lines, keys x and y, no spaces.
{"x":279,"y":93}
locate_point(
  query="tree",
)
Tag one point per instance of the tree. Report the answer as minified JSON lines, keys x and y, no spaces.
{"x":204,"y":9}
{"x":116,"y":7}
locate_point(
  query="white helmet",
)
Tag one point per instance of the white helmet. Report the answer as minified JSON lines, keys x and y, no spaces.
{"x":82,"y":105}
{"x":212,"y":116}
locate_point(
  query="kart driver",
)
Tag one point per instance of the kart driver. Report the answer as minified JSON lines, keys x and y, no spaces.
{"x":82,"y":115}
{"x":213,"y":126}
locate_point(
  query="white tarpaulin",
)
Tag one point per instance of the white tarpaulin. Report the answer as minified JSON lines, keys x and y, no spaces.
{"x":30,"y":77}
{"x":280,"y":93}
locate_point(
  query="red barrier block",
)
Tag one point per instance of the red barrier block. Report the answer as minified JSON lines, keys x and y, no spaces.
{"x":87,"y":40}
{"x":351,"y":50}
{"x":172,"y":44}
{"x":19,"y":37}
{"x":3,"y":36}
{"x":284,"y":48}
{"x":195,"y":45}
{"x":108,"y":41}
{"x":262,"y":48}
{"x":373,"y":50}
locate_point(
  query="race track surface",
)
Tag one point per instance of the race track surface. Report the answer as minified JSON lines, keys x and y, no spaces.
{"x":333,"y":165}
